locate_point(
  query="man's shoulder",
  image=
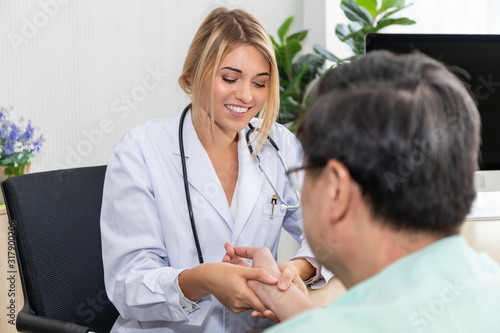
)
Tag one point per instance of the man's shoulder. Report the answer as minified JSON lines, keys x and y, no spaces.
{"x":315,"y":320}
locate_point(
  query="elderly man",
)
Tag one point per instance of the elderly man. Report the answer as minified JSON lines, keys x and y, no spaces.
{"x":391,"y":147}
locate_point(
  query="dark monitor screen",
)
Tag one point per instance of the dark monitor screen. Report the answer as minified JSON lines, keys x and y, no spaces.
{"x":475,"y":59}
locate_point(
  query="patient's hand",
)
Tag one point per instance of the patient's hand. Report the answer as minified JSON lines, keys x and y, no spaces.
{"x":261,"y":258}
{"x":283,"y":304}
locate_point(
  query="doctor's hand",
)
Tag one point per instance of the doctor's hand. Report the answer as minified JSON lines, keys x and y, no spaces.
{"x":295,"y":271}
{"x":281,"y":304}
{"x":290,"y":271}
{"x":227,"y":282}
{"x":232,"y":258}
{"x":263,"y":258}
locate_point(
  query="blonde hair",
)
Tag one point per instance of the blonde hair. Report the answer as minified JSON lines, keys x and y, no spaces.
{"x":221,"y":32}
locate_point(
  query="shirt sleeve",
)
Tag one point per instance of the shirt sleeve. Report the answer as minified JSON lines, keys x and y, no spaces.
{"x":188,"y":305}
{"x":138,"y":277}
{"x":322,"y":276}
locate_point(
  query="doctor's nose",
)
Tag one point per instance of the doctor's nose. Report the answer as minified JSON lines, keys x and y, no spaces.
{"x":244,"y":93}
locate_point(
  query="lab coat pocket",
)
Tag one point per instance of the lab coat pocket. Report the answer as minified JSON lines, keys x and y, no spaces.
{"x":273,"y":212}
{"x":272,"y":221}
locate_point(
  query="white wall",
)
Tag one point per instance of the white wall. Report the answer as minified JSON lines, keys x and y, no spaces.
{"x":86,"y":71}
{"x":451,"y":16}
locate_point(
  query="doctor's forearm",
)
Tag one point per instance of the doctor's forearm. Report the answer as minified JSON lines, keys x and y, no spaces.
{"x":193,"y":282}
{"x":225,"y":281}
{"x":304,"y":267}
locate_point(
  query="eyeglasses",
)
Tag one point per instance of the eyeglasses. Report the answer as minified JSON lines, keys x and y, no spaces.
{"x":296,"y":175}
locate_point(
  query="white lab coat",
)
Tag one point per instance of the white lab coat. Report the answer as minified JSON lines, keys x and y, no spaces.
{"x":147,"y":239}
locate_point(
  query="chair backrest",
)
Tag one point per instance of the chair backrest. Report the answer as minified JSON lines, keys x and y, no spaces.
{"x":56,"y":215}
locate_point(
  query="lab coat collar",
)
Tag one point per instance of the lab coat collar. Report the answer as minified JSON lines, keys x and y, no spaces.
{"x":250,"y":181}
{"x":201,"y":174}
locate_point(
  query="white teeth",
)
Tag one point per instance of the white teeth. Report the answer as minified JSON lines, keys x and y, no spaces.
{"x":236,"y":109}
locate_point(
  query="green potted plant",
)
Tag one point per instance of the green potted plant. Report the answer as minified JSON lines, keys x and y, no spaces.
{"x":298,"y":74}
{"x":366,"y":16}
{"x":18,"y":142}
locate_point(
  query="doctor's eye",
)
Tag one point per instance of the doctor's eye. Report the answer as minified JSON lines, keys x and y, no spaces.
{"x":225,"y":79}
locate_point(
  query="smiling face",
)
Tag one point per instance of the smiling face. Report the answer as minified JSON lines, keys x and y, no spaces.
{"x":240,"y":89}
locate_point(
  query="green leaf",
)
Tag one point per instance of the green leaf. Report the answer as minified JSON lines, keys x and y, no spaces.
{"x":290,"y":50}
{"x":285,"y":116}
{"x":276,"y":45}
{"x":280,"y":55}
{"x":359,"y":47}
{"x":290,"y":105}
{"x":293,"y":88}
{"x":311,"y":60}
{"x":314,"y":64}
{"x":386,"y":4}
{"x":284,"y":29}
{"x":391,"y":12}
{"x":344,"y":31}
{"x":357,"y":34}
{"x":300,"y":36}
{"x":353,"y":35}
{"x":388,"y":21}
{"x":370,"y":5}
{"x":7,"y":160}
{"x":356,"y":13}
{"x":325,"y":53}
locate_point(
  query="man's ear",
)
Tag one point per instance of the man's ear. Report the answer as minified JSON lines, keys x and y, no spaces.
{"x":339,"y":189}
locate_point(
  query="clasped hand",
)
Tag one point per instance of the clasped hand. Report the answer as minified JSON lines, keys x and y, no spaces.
{"x":262,"y":258}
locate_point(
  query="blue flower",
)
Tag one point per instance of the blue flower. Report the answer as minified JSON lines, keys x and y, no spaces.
{"x":17,"y":143}
{"x":37,"y":144}
{"x":8,"y":149}
{"x":29,"y":133}
{"x":14,"y":132}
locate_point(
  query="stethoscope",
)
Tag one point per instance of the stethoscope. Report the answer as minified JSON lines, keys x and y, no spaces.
{"x":284,"y":204}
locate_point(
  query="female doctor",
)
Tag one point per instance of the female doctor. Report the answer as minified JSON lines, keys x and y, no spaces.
{"x":155,"y":275}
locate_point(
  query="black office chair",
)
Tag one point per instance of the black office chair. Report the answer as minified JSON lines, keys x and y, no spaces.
{"x":56,"y":218}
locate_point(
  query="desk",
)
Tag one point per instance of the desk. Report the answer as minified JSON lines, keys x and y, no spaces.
{"x":11,"y":295}
{"x":483,"y":236}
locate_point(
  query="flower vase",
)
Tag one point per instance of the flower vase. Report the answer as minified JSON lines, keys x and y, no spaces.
{"x":8,"y":171}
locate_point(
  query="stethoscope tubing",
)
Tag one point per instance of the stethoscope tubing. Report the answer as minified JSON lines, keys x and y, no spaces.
{"x":186,"y":182}
{"x":284,"y":205}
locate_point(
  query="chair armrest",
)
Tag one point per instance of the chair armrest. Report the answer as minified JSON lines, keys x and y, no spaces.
{"x":27,"y":322}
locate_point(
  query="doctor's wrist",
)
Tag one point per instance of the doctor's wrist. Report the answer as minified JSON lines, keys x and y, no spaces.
{"x":305,"y":269}
{"x":193,"y":284}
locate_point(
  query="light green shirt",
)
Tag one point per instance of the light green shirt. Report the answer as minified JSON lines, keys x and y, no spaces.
{"x":445,"y":287}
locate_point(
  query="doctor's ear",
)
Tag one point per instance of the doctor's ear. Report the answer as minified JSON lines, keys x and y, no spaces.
{"x":339,"y":189}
